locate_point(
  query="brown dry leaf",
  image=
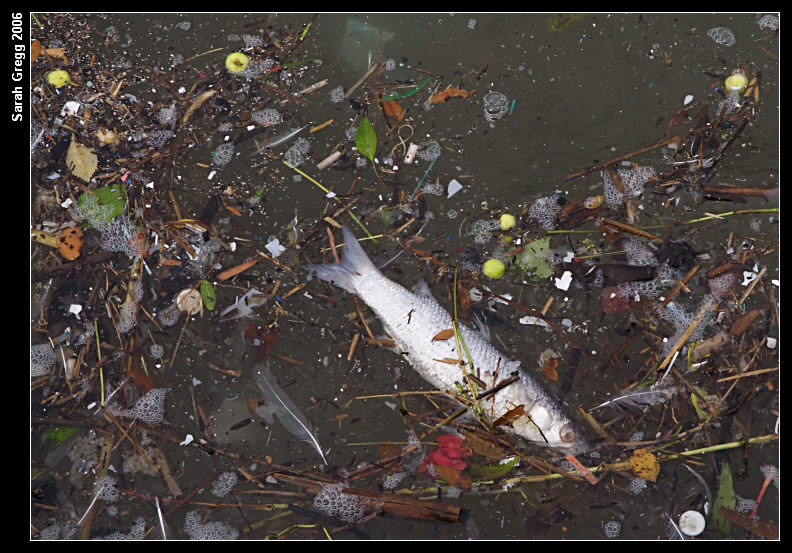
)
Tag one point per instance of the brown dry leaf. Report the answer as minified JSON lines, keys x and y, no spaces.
{"x":35,"y":50}
{"x":70,"y":242}
{"x":743,"y":322}
{"x":463,"y":300}
{"x":484,"y":446}
{"x":447,"y":94}
{"x":393,"y":109}
{"x":550,"y":367}
{"x":509,"y":416}
{"x":81,"y":160}
{"x":388,"y":450}
{"x":59,"y":53}
{"x":645,"y":465}
{"x":443,"y":334}
{"x":453,"y":476}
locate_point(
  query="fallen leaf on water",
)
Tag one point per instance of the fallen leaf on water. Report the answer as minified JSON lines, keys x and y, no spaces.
{"x":393,"y":109}
{"x":447,"y":94}
{"x":443,"y":334}
{"x":495,"y":471}
{"x":59,"y":53}
{"x":70,"y":241}
{"x":509,"y":416}
{"x":453,"y":477}
{"x":451,"y":452}
{"x":483,"y":446}
{"x":550,"y":367}
{"x":645,"y":465}
{"x":81,"y":160}
{"x":755,"y":526}
{"x":35,"y":50}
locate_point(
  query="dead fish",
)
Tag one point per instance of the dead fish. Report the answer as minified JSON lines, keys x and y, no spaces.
{"x":412,"y":320}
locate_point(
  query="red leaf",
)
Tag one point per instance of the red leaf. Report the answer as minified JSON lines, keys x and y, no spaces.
{"x":451,"y":453}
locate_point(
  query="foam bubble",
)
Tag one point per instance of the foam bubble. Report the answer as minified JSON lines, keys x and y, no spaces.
{"x":209,"y":531}
{"x":223,"y":154}
{"x":224,"y":483}
{"x":337,"y":94}
{"x":267,"y":117}
{"x":612,"y":529}
{"x":543,"y":211}
{"x":157,"y":351}
{"x":636,"y":485}
{"x":135,"y":533}
{"x":150,"y":408}
{"x":105,"y":489}
{"x":429,"y":150}
{"x":346,"y":507}
{"x":42,"y":358}
{"x":722,"y":36}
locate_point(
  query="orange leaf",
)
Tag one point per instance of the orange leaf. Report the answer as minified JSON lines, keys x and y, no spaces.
{"x":35,"y":50}
{"x":447,"y":94}
{"x":70,"y":242}
{"x":444,"y":334}
{"x":233,"y":271}
{"x":549,"y":368}
{"x":453,"y":476}
{"x":509,"y":416}
{"x":393,"y":109}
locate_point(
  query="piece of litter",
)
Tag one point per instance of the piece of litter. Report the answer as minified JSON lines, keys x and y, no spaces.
{"x":275,"y":248}
{"x":330,"y":195}
{"x":75,"y":308}
{"x":70,"y":108}
{"x":195,"y":381}
{"x":66,"y":202}
{"x":569,"y":257}
{"x":91,"y":405}
{"x":453,"y":187}
{"x":748,"y":277}
{"x":211,"y":175}
{"x":771,"y":343}
{"x":531,"y":320}
{"x":564,"y":282}
{"x":688,"y":99}
{"x":187,"y":440}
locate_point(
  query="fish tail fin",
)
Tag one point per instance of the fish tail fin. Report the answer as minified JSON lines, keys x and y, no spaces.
{"x":354,"y":264}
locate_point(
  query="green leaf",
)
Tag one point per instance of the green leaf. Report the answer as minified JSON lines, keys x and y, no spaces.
{"x":60,"y":434}
{"x":208,"y":294}
{"x":533,"y":259}
{"x":366,"y":139}
{"x":494,"y":471}
{"x":701,"y":409}
{"x":104,"y":205}
{"x":725,"y":498}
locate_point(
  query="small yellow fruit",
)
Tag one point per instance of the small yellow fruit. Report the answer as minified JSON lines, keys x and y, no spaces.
{"x":736,"y":82}
{"x":507,"y":221}
{"x":58,"y":78}
{"x":494,"y":268}
{"x":236,"y":62}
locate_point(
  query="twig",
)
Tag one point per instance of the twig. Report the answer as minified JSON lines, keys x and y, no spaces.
{"x":361,"y":80}
{"x":620,"y":158}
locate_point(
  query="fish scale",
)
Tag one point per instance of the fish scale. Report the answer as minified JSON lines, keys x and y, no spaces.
{"x":413,"y":320}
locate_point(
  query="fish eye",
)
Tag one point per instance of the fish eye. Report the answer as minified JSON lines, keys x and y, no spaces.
{"x":567,"y":434}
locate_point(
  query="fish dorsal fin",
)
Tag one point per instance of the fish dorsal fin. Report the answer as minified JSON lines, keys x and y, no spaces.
{"x":483,"y":328}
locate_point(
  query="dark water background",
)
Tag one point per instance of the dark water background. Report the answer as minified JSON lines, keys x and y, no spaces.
{"x":595,"y":89}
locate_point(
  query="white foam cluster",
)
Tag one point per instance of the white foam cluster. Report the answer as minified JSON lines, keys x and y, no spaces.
{"x":223,"y":154}
{"x":346,"y":507}
{"x":633,"y":181}
{"x":744,"y":505}
{"x":150,"y":408}
{"x":722,"y":36}
{"x":429,"y":150}
{"x":390,"y":64}
{"x":732,"y":101}
{"x":42,"y":358}
{"x":636,"y":485}
{"x":50,"y":532}
{"x":296,"y":154}
{"x":135,"y":533}
{"x":119,"y":235}
{"x":105,"y":489}
{"x":170,"y":316}
{"x":612,"y":529}
{"x":252,"y":41}
{"x":680,"y":320}
{"x":225,"y":127}
{"x":157,"y":351}
{"x":451,"y":492}
{"x":224,"y":483}
{"x":768,"y":22}
{"x":481,"y":230}
{"x":210,"y":530}
{"x":158,"y":138}
{"x":543,"y":211}
{"x":722,"y":284}
{"x":185,"y":25}
{"x":771,"y":472}
{"x":91,"y":210}
{"x":436,"y":189}
{"x":267,"y":117}
{"x":132,"y":463}
{"x":393,"y":480}
{"x":637,"y":253}
{"x":166,"y":116}
{"x":256,"y":68}
{"x":337,"y":94}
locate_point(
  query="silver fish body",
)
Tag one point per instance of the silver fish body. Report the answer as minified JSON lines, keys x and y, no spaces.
{"x":413,"y":321}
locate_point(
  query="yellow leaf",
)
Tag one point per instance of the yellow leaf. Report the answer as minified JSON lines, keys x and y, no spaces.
{"x":444,"y":334}
{"x":81,"y":161}
{"x":645,"y":465}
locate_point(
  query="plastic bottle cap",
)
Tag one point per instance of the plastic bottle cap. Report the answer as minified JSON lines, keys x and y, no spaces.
{"x":692,"y":523}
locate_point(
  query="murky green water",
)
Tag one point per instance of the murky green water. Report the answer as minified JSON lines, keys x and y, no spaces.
{"x":599,"y":87}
